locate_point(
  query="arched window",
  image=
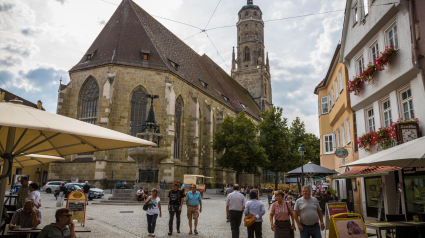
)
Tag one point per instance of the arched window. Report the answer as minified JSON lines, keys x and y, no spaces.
{"x":247,"y":57}
{"x":256,"y":36}
{"x":246,"y":13}
{"x":138,"y":111}
{"x":89,"y":101}
{"x":200,"y":138}
{"x":177,"y":124}
{"x":255,"y":13}
{"x":246,"y":36}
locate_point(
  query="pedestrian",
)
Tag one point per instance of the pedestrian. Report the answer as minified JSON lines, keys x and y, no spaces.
{"x":26,"y":217}
{"x":309,"y":212}
{"x":139,"y":194}
{"x":228,"y":191}
{"x":247,"y":191}
{"x":257,"y":209}
{"x":282,"y":212}
{"x":23,"y":192}
{"x":64,"y":227}
{"x":86,"y":190}
{"x":175,"y":203}
{"x":62,"y":189}
{"x":34,"y":195}
{"x":235,"y":206}
{"x":154,"y":208}
{"x":193,"y":200}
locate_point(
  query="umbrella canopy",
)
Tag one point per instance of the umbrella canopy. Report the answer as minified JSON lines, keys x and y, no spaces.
{"x":39,"y":132}
{"x":311,"y":169}
{"x":31,"y":160}
{"x":410,"y":154}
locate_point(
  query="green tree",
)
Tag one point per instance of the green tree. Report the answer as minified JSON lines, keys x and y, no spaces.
{"x":312,"y":146}
{"x":297,"y":137}
{"x":238,"y":143}
{"x":274,"y":139}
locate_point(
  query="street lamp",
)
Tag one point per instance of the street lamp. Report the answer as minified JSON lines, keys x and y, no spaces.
{"x":302,"y":151}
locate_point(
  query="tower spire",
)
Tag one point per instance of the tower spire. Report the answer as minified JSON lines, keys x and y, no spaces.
{"x":250,"y":2}
{"x":233,"y":58}
{"x":267,"y":63}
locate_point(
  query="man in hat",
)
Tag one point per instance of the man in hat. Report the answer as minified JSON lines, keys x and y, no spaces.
{"x":175,"y":203}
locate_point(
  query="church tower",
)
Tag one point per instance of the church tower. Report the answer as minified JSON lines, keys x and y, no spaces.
{"x":250,"y":63}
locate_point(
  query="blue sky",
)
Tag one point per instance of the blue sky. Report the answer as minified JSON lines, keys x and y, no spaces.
{"x":40,"y":40}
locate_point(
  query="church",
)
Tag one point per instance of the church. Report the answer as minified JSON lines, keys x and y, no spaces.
{"x":137,"y":67}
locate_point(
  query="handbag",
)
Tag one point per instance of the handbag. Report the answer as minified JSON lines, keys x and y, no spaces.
{"x":146,"y":206}
{"x":249,"y":220}
{"x":291,"y":230}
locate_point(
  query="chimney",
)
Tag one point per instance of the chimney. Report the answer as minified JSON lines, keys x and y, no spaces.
{"x":2,"y":95}
{"x":40,"y":105}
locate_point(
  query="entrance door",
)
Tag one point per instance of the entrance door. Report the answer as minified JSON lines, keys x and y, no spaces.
{"x":373,"y":191}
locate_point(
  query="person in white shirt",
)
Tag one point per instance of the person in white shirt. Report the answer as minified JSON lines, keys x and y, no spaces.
{"x":235,"y":206}
{"x":139,"y":194}
{"x":34,"y":195}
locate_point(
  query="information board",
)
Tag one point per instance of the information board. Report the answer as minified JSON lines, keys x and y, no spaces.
{"x":76,"y":202}
{"x":347,"y":225}
{"x":334,"y":208}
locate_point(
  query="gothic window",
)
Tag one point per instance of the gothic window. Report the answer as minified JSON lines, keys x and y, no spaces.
{"x":177,"y":124}
{"x":255,"y":13}
{"x":246,"y":36}
{"x":138,"y":111}
{"x":200,"y":137}
{"x":246,"y":25}
{"x":247,"y":57}
{"x":89,"y":101}
{"x":246,"y":13}
{"x":256,"y":36}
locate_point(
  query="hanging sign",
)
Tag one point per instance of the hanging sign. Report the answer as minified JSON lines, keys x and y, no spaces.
{"x":76,"y":202}
{"x":341,"y":153}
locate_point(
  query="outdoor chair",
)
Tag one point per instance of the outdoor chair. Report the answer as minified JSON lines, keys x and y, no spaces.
{"x":395,"y":217}
{"x":10,"y":207}
{"x":421,"y":231}
{"x":404,"y":231}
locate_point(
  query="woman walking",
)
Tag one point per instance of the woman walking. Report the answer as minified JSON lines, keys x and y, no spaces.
{"x":154,"y":208}
{"x":62,"y":190}
{"x":281,"y":211}
{"x":256,"y":208}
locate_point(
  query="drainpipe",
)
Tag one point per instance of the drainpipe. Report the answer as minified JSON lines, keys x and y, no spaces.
{"x":415,"y":49}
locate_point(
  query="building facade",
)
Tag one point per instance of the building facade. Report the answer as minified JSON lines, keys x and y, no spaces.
{"x":396,"y":93}
{"x":337,"y":127}
{"x":134,"y":57}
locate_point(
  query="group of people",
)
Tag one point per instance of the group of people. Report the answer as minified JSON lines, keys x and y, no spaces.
{"x":306,"y":216}
{"x":122,"y":184}
{"x":175,"y":203}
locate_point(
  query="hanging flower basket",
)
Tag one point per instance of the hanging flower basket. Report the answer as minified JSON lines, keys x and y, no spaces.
{"x":385,"y":58}
{"x":367,"y":141}
{"x":385,"y":136}
{"x":355,"y":85}
{"x":367,"y":74}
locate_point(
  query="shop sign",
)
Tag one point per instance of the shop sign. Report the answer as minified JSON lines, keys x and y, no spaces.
{"x":413,"y":170}
{"x":334,"y":209}
{"x":341,"y":153}
{"x":76,"y":202}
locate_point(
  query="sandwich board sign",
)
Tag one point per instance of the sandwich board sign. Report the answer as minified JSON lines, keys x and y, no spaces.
{"x":347,"y":225}
{"x":334,"y":208}
{"x":76,"y":202}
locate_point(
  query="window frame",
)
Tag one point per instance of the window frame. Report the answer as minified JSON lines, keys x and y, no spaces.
{"x":397,"y":38}
{"x":327,"y":105}
{"x":385,"y":111}
{"x":338,"y":138}
{"x":341,"y":80}
{"x":368,"y":118}
{"x":365,"y":8}
{"x":343,"y":134}
{"x":325,"y":143}
{"x":410,"y":105}
{"x":347,"y":122}
{"x":374,"y":45}
{"x":358,"y":60}
{"x":355,"y":10}
{"x":336,"y":89}
{"x":332,"y":95}
{"x":329,"y":102}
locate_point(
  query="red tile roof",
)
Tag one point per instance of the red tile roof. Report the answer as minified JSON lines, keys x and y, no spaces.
{"x":131,"y":29}
{"x":358,"y":170}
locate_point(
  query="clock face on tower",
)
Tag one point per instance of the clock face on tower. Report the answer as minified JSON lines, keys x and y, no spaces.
{"x":409,"y":134}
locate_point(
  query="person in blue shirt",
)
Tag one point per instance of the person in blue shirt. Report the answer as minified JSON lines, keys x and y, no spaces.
{"x":193,"y":200}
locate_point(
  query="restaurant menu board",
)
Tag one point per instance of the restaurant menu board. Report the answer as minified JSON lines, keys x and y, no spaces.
{"x":353,"y":228}
{"x":76,"y":202}
{"x":333,"y":209}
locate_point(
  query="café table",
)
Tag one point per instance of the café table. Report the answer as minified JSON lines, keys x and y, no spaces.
{"x":386,"y":226}
{"x":38,"y":230}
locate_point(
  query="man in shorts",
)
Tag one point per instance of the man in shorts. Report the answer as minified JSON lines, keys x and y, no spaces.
{"x":193,"y":200}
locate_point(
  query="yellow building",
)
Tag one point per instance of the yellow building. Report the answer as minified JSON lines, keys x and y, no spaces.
{"x":337,"y":129}
{"x":37,"y":174}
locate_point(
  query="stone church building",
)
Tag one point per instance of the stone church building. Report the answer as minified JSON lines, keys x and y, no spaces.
{"x":134,"y":57}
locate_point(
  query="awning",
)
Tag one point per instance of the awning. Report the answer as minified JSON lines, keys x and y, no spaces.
{"x":410,"y":154}
{"x":367,"y":171}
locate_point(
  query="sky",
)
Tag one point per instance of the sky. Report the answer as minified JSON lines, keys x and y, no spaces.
{"x":40,"y":40}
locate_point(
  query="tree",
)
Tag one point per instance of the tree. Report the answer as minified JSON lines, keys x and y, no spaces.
{"x":297,"y":137}
{"x":312,"y":146}
{"x":238,"y":142}
{"x":274,"y":139}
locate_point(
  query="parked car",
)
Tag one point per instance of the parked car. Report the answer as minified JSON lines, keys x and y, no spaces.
{"x":70,"y":187}
{"x":53,"y":185}
{"x":97,"y":191}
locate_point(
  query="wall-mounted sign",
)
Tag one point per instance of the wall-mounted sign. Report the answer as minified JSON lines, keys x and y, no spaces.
{"x":341,"y":153}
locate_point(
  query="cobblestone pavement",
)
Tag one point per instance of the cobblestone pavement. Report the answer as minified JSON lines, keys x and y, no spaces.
{"x":107,"y":221}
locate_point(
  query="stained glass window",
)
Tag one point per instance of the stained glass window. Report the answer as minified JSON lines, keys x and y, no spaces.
{"x":138,"y":111}
{"x":178,"y":121}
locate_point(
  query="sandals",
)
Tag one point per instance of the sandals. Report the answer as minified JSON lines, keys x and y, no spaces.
{"x":196,"y":232}
{"x":190,"y":233}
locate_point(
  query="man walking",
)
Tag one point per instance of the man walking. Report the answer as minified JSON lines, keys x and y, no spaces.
{"x":175,"y":203}
{"x":228,"y":191}
{"x":86,"y":190}
{"x":23,"y":192}
{"x":193,"y":200}
{"x":235,"y":206}
{"x":309,"y":212}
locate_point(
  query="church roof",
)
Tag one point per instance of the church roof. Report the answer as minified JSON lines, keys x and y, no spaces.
{"x":249,"y":5}
{"x":131,"y":31}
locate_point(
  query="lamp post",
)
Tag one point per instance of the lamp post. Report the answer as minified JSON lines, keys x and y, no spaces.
{"x":302,"y":151}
